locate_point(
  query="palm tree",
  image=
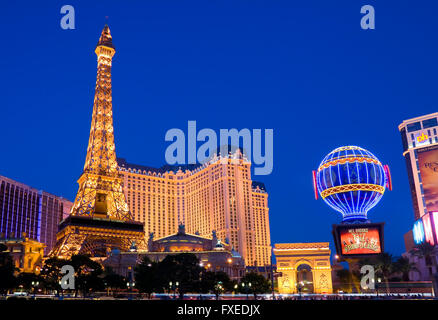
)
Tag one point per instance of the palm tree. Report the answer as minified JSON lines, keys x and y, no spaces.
{"x":384,"y":266}
{"x":347,"y":281}
{"x":404,"y":266}
{"x":427,"y":252}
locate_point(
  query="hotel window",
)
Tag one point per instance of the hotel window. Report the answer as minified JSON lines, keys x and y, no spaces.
{"x":429,"y":123}
{"x":414,"y":126}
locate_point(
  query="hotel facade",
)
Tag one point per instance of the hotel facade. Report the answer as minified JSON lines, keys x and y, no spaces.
{"x":26,"y":212}
{"x":420,"y":144}
{"x":216,"y":196}
{"x":420,"y":149}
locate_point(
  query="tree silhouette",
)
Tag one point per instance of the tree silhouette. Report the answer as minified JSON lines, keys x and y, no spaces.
{"x":259,"y":284}
{"x":113,"y":281}
{"x":51,"y":273}
{"x":182,"y":268}
{"x":147,"y":277}
{"x":28,"y":280}
{"x":427,"y":252}
{"x":7,"y":269}
{"x":216,"y":282}
{"x":403,"y":266}
{"x":88,"y":274}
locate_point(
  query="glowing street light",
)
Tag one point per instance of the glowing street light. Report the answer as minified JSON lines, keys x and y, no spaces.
{"x":173,"y":287}
{"x":247,"y":288}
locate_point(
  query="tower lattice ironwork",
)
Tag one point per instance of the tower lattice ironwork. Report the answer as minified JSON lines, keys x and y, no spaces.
{"x":100,"y":219}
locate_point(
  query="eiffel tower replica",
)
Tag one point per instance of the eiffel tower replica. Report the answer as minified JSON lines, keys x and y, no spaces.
{"x":100,"y":219}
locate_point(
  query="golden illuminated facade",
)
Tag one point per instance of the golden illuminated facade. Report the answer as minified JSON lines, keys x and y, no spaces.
{"x":304,"y":267}
{"x":27,"y":254}
{"x":213,"y":254}
{"x":100,"y":219}
{"x":217,"y":196}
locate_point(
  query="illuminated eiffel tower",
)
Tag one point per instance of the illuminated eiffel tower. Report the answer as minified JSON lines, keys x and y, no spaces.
{"x":100,"y":219}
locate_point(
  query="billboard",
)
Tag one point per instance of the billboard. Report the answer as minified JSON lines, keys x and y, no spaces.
{"x":358,"y":240}
{"x":428,"y":163}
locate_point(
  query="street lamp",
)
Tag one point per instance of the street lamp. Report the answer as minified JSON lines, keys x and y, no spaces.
{"x":247,"y":287}
{"x":377,"y":285}
{"x":173,"y":287}
{"x":272,"y":274}
{"x":130,"y":285}
{"x":34,"y":285}
{"x":218,"y":289}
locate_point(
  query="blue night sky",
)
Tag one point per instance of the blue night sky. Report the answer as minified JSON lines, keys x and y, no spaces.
{"x":303,"y":68}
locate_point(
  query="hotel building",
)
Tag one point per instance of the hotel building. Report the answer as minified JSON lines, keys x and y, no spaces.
{"x":213,"y":255}
{"x":420,"y":142}
{"x":26,"y":254}
{"x":216,"y":196}
{"x":420,"y":149}
{"x":30,"y":212}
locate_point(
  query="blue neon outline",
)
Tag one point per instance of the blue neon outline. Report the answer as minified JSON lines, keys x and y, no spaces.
{"x":349,"y":182}
{"x":344,"y":204}
{"x":366,"y":200}
{"x":361,"y":208}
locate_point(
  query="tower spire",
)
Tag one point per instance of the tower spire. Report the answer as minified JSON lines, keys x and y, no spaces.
{"x":101,"y":154}
{"x":106,"y":38}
